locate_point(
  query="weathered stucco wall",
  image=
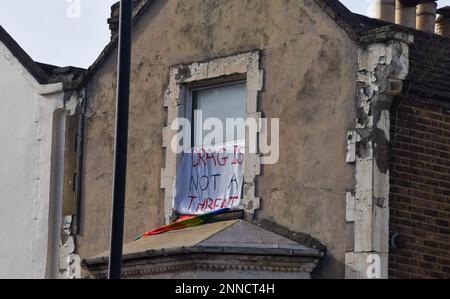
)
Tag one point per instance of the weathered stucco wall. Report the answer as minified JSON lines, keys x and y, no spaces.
{"x":310,"y":73}
{"x":29,"y":167}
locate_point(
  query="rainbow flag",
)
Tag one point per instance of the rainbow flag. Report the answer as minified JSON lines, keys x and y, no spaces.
{"x":184,"y":222}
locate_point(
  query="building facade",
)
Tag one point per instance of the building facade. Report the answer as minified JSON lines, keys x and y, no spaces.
{"x":359,"y":185}
{"x":33,"y":126}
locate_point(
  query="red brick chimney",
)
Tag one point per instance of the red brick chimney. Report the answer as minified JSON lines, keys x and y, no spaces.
{"x":443,"y":22}
{"x":426,"y":15}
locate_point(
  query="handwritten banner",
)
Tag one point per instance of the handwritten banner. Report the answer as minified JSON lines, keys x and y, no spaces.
{"x":209,"y":180}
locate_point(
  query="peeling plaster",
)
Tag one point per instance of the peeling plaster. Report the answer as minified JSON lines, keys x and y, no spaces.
{"x":350,"y":207}
{"x":67,"y":249}
{"x":71,"y":105}
{"x":352,"y":139}
{"x":382,"y":69}
{"x":73,"y":101}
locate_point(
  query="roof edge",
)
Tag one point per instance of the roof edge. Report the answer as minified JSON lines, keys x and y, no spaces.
{"x":386,"y":33}
{"x":306,"y":253}
{"x":30,"y":65}
{"x":109,"y":49}
{"x":357,"y":27}
{"x":345,"y":18}
{"x":43,"y":73}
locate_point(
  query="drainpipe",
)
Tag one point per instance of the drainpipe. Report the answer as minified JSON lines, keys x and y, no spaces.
{"x":79,"y":171}
{"x":426,"y":15}
{"x":121,"y":141}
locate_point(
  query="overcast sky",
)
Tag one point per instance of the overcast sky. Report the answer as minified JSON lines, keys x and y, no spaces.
{"x":52,"y":31}
{"x":74,"y":32}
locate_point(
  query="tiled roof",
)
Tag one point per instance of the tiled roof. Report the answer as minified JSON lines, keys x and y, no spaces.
{"x":429,"y":75}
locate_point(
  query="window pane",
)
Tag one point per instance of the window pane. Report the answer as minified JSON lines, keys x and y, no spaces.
{"x":221,"y":102}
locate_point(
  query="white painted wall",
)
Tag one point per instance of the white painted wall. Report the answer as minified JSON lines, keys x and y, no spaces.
{"x":27,"y":183}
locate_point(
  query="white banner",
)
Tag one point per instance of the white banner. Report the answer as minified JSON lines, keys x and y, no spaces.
{"x":209,"y":180}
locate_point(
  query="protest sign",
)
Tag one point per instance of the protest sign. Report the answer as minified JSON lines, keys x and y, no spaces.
{"x":209,"y":179}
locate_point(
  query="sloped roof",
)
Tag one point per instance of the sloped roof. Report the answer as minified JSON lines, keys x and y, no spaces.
{"x":344,"y":17}
{"x":232,"y":237}
{"x":429,"y":75}
{"x":429,"y":55}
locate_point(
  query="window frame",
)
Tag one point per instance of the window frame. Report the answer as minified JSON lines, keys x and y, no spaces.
{"x":190,"y":89}
{"x":197,"y":74}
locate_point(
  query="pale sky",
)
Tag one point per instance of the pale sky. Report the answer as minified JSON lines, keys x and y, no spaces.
{"x":74,"y":32}
{"x":51,"y":31}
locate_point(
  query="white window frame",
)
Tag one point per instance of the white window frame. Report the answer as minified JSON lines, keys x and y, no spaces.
{"x":178,"y":96}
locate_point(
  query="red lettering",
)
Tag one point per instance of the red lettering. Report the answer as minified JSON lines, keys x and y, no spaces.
{"x":238,"y":157}
{"x":233,"y":199}
{"x":201,"y":206}
{"x":224,"y":204}
{"x":210,"y":156}
{"x":222,"y":160}
{"x":210,"y":204}
{"x":192,"y":200}
{"x":215,"y":203}
{"x":200,"y":158}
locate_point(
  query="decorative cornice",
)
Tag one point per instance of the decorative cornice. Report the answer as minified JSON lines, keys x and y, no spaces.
{"x":218,"y":263}
{"x":183,"y":251}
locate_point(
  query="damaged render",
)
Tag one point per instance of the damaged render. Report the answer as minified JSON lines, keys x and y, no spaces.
{"x":383,"y":65}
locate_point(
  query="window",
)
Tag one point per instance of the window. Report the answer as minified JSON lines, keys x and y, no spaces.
{"x":211,"y":176}
{"x":226,"y":87}
{"x":221,"y":103}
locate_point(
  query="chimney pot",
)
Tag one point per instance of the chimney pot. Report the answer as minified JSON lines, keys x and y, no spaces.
{"x":426,"y":15}
{"x":385,"y":10}
{"x":405,"y":12}
{"x":443,"y":22}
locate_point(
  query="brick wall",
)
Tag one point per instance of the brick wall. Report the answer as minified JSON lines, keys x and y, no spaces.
{"x":420,"y":191}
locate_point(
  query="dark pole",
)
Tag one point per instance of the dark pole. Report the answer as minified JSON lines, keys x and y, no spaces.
{"x":121,"y":148}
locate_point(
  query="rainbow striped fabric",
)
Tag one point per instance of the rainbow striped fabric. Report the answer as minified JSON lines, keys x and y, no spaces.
{"x":184,"y":222}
